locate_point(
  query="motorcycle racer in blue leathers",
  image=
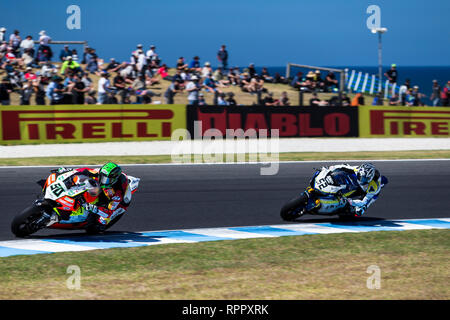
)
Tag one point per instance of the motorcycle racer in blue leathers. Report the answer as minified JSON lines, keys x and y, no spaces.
{"x":364,"y":180}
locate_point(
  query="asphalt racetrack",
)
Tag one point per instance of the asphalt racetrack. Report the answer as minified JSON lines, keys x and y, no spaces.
{"x":226,"y":195}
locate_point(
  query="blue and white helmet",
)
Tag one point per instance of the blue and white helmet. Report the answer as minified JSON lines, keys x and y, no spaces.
{"x":365,"y":173}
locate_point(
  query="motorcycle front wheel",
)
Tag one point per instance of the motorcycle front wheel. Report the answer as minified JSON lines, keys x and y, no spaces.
{"x":22,"y":224}
{"x":294,"y":208}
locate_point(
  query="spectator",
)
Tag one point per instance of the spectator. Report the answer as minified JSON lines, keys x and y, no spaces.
{"x":206,"y":70}
{"x":392,"y":74}
{"x":231,"y":101}
{"x":51,"y":86}
{"x":177,"y":76}
{"x":3,"y":49}
{"x":244,"y":82}
{"x":14,"y":42}
{"x":221,"y":101}
{"x":47,"y":69}
{"x":210,"y":85}
{"x":153,"y":58}
{"x":445,"y":95}
{"x":113,"y":65}
{"x":57,"y":96}
{"x":25,"y":93}
{"x":172,"y":90}
{"x":87,"y":82}
{"x":79,"y":89}
{"x":220,"y":78}
{"x":181,"y":65}
{"x":2,"y":34}
{"x":201,"y":100}
{"x":92,"y":62}
{"x":315,"y":101}
{"x":358,"y":100}
{"x":252,"y":70}
{"x":44,"y":51}
{"x":194,"y":65}
{"x":65,"y":53}
{"x":257,"y":85}
{"x":331,"y":83}
{"x":28,"y":59}
{"x":104,"y":87}
{"x":345,"y":100}
{"x":193,"y":89}
{"x":403,"y":91}
{"x":233,"y":76}
{"x":410,"y":99}
{"x":30,"y":75}
{"x":163,"y":72}
{"x":222,"y":56}
{"x":279,"y":79}
{"x":269,"y":100}
{"x":395,"y":100}
{"x":85,"y":52}
{"x":120,"y":88}
{"x":266,"y":76}
{"x":74,"y":54}
{"x":436,"y":94}
{"x":317,"y":81}
{"x":377,"y":100}
{"x":70,"y":66}
{"x":417,"y":96}
{"x":284,"y":100}
{"x":10,"y":54}
{"x":90,"y":99}
{"x":5,"y":90}
{"x":298,"y":81}
{"x":38,"y":88}
{"x":27,"y":45}
{"x":141,"y":62}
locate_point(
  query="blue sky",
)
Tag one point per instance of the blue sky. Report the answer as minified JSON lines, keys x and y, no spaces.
{"x":270,"y":33}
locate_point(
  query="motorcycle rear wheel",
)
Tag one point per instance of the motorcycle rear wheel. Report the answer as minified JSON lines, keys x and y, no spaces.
{"x":20,"y":225}
{"x":294,"y":208}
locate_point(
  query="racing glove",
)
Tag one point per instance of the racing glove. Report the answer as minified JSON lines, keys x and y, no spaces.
{"x":90,"y":207}
{"x":63,"y":170}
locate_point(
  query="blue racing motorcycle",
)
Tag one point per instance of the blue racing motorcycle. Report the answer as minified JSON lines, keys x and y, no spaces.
{"x":328,"y":194}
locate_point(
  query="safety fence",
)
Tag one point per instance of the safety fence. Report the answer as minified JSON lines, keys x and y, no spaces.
{"x":369,"y":84}
{"x":66,"y":124}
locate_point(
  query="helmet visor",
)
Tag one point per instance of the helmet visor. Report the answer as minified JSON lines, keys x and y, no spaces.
{"x":363,"y":179}
{"x":105,"y":181}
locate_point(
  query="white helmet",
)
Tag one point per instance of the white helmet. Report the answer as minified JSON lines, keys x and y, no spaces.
{"x":365,"y":173}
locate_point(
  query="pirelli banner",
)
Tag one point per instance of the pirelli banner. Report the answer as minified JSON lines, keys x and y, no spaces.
{"x":290,"y":121}
{"x":79,"y":123}
{"x":410,"y":122}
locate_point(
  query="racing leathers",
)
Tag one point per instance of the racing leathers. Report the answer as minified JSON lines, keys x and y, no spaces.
{"x":368,"y":192}
{"x":108,"y":203}
{"x":114,"y":201}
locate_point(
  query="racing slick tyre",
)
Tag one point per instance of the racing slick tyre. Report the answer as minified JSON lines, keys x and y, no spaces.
{"x":294,"y":208}
{"x":21,"y":225}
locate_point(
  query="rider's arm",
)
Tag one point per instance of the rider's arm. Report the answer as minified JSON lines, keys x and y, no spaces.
{"x":372,"y":192}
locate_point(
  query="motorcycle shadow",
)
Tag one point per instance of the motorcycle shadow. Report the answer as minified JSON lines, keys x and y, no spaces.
{"x":102,"y":239}
{"x":334,"y":219}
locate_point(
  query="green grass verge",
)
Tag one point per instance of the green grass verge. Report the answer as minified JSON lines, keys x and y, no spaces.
{"x":295,"y":156}
{"x":413,"y":264}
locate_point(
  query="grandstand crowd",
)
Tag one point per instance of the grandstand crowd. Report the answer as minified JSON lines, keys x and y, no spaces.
{"x":41,"y":76}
